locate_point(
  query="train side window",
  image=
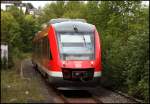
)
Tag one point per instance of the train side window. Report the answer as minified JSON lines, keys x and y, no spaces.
{"x":38,"y":48}
{"x":34,"y":47}
{"x":49,"y":51}
{"x":41,"y":48}
{"x":45,"y":47}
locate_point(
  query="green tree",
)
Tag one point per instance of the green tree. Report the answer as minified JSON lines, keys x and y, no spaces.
{"x":30,"y":27}
{"x":138,"y":58}
{"x":74,"y":9}
{"x":10,"y":30}
{"x":10,"y":34}
{"x":50,"y":11}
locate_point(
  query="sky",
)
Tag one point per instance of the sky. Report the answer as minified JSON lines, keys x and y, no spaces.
{"x":36,"y":4}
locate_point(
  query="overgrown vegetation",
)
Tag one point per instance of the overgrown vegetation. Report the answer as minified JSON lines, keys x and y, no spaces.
{"x":15,"y":88}
{"x":124,"y":32}
{"x":17,"y":31}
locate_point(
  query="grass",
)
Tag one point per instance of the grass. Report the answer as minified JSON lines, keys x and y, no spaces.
{"x":16,"y":89}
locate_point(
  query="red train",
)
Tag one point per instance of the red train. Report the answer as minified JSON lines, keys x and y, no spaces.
{"x":68,"y":51}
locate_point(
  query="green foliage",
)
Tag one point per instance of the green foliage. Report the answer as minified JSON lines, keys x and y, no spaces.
{"x":17,"y":30}
{"x":73,"y":9}
{"x":30,"y":27}
{"x":26,"y":25}
{"x":10,"y":33}
{"x":10,"y":29}
{"x":124,"y":32}
{"x":51,"y":11}
{"x":125,"y":43}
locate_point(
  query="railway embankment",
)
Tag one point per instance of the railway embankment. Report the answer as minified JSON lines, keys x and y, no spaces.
{"x":23,"y":88}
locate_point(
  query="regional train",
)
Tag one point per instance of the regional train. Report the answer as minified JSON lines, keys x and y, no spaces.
{"x":68,"y":51}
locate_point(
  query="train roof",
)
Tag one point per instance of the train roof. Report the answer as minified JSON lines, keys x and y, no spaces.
{"x":70,"y":26}
{"x":66,"y":25}
{"x":53,"y":21}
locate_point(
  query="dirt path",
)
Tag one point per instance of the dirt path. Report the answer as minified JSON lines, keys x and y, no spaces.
{"x":32,"y":75}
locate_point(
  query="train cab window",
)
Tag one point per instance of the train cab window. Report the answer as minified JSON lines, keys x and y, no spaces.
{"x":76,"y":46}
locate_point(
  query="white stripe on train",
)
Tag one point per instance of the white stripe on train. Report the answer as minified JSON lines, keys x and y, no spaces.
{"x":59,"y":74}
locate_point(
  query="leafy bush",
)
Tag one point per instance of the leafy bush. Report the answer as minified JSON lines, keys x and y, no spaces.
{"x":124,"y":33}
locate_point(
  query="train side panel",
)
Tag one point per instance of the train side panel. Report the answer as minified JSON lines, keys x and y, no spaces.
{"x":54,"y":63}
{"x":98,"y":64}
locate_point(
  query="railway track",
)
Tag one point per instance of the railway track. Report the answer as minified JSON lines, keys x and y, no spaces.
{"x":88,"y":95}
{"x":70,"y":95}
{"x":78,"y":96}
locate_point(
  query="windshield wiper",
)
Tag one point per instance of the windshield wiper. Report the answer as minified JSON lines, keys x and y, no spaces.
{"x":84,"y":40}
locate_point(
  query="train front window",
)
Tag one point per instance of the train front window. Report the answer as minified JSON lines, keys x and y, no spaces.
{"x":76,"y":46}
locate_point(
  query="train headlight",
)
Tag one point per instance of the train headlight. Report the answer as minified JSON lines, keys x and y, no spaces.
{"x":92,"y":63}
{"x":64,"y":64}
